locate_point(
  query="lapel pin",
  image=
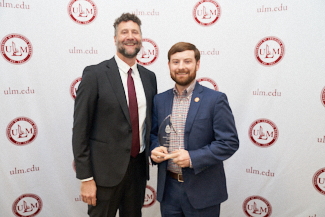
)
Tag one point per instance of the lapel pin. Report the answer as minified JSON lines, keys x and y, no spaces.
{"x":197,"y":99}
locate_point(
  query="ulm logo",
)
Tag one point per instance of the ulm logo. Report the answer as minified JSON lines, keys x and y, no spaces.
{"x":269,"y":51}
{"x":256,"y":206}
{"x":263,"y":133}
{"x":208,"y":82}
{"x":319,"y":181}
{"x":148,"y":53}
{"x":150,"y":197}
{"x":74,"y":86}
{"x":21,"y":131}
{"x":82,"y":12}
{"x":16,"y":48}
{"x":322,"y":96}
{"x":27,"y":205}
{"x":206,"y":12}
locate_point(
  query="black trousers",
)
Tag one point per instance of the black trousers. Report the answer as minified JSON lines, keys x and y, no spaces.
{"x":127,"y":196}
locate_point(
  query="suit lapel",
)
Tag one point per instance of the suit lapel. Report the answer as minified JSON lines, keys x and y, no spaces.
{"x":169,"y":103}
{"x":114,"y":77}
{"x":194,"y":107}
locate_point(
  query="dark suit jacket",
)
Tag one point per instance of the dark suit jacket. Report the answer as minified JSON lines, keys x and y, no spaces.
{"x":102,"y":132}
{"x":210,"y":138}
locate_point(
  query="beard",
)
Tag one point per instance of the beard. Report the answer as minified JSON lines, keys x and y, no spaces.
{"x":188,"y":80}
{"x":121,"y":49}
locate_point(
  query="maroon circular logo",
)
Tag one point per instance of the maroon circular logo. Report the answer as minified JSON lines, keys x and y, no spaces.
{"x":319,"y":181}
{"x":150,"y":197}
{"x":21,"y":131}
{"x":269,"y":51}
{"x":256,"y":206}
{"x":263,"y":133}
{"x":208,"y":82}
{"x":27,"y":205}
{"x":206,"y":12}
{"x":148,"y":53}
{"x":16,"y":48}
{"x":74,"y":86}
{"x":82,"y":11}
{"x":322,"y":96}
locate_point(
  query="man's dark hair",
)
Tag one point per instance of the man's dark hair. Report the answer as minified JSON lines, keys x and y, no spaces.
{"x":127,"y":17}
{"x":183,"y":46}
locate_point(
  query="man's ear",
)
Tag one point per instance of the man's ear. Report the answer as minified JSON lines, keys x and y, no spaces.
{"x":197,"y":65}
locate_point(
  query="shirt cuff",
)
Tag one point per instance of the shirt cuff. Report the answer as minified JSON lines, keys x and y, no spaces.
{"x":88,"y":179}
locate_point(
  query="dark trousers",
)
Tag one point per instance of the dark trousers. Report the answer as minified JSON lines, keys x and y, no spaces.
{"x":176,"y":204}
{"x":127,"y":196}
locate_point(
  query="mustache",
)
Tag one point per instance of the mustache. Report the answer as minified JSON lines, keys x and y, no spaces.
{"x":182,"y":71}
{"x":131,"y":41}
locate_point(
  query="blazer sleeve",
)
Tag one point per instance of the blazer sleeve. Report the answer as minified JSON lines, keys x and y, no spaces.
{"x":85,"y":106}
{"x":225,"y":142}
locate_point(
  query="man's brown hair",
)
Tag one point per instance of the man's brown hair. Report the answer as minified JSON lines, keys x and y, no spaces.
{"x":183,"y":46}
{"x":127,"y":17}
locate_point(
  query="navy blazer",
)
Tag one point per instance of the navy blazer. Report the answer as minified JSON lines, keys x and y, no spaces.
{"x":210,"y":138}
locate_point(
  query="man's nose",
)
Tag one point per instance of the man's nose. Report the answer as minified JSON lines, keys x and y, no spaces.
{"x":130,"y":35}
{"x":181,"y":65}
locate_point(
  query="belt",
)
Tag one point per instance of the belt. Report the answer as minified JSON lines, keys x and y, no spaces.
{"x":178,"y":177}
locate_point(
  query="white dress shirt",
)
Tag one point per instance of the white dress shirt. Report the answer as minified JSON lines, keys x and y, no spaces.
{"x":141,"y":97}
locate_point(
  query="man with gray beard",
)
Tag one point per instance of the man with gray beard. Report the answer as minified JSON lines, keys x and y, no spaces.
{"x":111,"y":130}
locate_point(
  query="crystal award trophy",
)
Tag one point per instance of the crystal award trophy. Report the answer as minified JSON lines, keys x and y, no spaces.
{"x":165,"y":131}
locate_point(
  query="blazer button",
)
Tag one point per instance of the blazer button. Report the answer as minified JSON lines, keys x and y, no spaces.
{"x":130,"y":130}
{"x":128,"y":150}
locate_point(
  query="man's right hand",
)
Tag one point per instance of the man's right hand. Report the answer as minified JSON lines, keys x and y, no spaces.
{"x":158,"y":154}
{"x":88,"y":192}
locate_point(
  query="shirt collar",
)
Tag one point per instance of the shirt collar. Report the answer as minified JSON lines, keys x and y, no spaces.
{"x":123,"y":66}
{"x":188,"y":91}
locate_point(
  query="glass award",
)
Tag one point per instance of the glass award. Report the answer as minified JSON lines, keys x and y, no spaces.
{"x":166,"y":129}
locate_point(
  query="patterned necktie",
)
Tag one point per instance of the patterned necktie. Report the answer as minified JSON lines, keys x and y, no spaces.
{"x":133,"y":110}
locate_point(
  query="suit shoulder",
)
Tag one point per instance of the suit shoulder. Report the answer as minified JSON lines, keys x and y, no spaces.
{"x":145,"y":70}
{"x":164,"y":94}
{"x":97,"y":67}
{"x":211,"y":92}
{"x":96,"y":70}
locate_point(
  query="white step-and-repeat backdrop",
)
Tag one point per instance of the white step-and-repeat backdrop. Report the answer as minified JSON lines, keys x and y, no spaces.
{"x":267,"y":56}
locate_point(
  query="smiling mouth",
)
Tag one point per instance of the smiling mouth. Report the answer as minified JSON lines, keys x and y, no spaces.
{"x":182,"y":72}
{"x":130,"y":43}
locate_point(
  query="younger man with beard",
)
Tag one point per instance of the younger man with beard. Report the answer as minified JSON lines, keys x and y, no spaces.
{"x":191,"y":178}
{"x":111,"y":130}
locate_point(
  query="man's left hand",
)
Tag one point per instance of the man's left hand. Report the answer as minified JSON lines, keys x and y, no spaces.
{"x":180,"y":157}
